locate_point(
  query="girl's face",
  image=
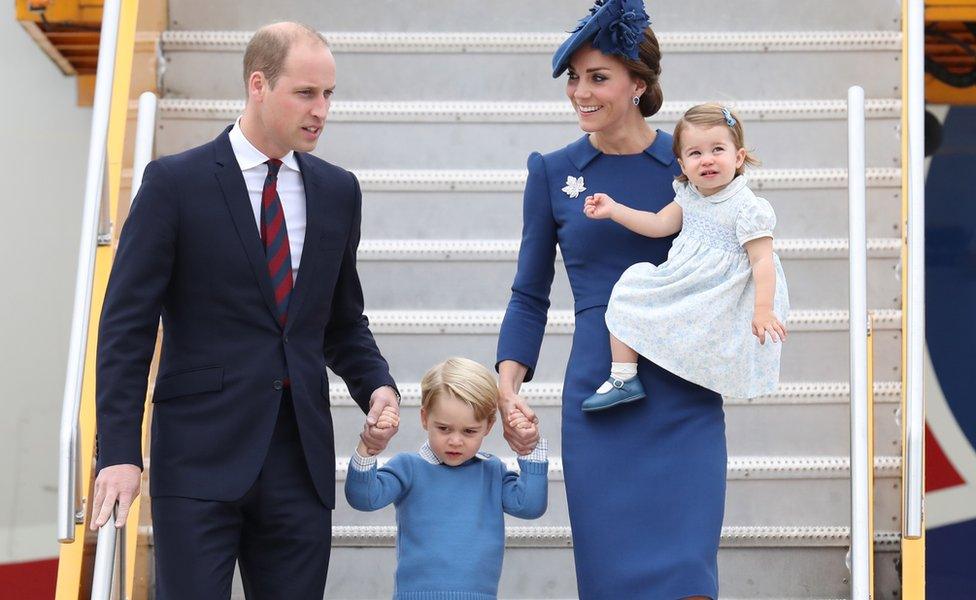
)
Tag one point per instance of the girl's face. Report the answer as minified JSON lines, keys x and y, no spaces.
{"x":709,"y":158}
{"x":602,"y":90}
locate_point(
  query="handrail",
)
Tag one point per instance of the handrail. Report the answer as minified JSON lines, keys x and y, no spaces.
{"x":915,"y":303}
{"x":104,"y":573}
{"x":861,"y":537}
{"x":70,"y":509}
{"x":109,"y":551}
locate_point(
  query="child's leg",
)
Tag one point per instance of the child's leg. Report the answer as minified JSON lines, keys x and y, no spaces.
{"x":621,"y":352}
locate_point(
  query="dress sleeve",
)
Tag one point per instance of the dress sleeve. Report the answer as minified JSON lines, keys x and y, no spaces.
{"x":680,"y":192}
{"x":755,"y":220}
{"x":524,"y":325}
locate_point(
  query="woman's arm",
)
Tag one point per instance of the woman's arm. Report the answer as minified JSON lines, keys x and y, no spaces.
{"x":663,"y":223}
{"x":764,"y":274}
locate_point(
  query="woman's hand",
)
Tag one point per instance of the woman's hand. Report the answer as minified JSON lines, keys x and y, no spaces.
{"x":763,"y":322}
{"x":599,"y":206}
{"x":520,"y":424}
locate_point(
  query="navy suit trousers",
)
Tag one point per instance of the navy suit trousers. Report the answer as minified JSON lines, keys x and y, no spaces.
{"x":279,"y":532}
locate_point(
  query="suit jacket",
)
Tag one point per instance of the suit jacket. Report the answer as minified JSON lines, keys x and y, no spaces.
{"x":191,"y":253}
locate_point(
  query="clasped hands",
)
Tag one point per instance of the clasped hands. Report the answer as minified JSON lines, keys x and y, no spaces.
{"x":382,"y":421}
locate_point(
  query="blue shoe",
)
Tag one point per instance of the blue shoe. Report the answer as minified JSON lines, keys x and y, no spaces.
{"x":622,"y":391}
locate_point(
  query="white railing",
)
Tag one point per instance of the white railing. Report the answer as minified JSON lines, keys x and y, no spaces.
{"x":109,"y":537}
{"x":915,"y":302}
{"x":71,"y":510}
{"x":861,"y":535}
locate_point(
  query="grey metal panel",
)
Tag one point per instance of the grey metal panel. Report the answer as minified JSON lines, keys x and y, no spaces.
{"x":751,"y":430}
{"x":498,"y":215}
{"x":807,"y":356}
{"x":506,"y":145}
{"x":374,"y":76}
{"x":538,"y":15}
{"x":819,"y":283}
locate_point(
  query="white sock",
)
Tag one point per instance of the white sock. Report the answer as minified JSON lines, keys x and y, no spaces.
{"x":621,"y":371}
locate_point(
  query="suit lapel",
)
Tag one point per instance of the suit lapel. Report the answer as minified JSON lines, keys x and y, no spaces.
{"x":314,"y":223}
{"x":232,"y":185}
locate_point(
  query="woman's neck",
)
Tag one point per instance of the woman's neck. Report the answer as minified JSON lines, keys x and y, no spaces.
{"x":630,"y":138}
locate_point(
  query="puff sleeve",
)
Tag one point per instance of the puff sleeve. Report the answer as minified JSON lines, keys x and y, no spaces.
{"x":755,"y":220}
{"x":681,"y":193}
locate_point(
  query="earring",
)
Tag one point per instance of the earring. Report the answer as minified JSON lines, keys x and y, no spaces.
{"x":636,"y":100}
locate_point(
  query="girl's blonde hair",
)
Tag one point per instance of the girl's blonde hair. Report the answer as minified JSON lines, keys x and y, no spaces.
{"x":708,"y":116}
{"x":465,"y":380}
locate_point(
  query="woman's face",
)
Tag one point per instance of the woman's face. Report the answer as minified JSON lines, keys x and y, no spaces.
{"x":602,"y":90}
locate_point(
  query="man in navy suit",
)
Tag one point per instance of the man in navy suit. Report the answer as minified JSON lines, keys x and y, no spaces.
{"x":246,"y":247}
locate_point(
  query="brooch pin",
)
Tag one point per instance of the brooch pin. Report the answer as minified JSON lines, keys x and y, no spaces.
{"x":574,"y":186}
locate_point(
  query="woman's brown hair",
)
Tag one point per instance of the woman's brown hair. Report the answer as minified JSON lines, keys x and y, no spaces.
{"x":647,"y":67}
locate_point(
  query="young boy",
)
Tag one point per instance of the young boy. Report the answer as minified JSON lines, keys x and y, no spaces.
{"x":450,"y":497}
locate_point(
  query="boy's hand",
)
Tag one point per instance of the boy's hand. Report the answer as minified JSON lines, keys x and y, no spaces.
{"x":519,"y":421}
{"x":372,"y":439}
{"x":763,"y":322}
{"x":599,"y":206}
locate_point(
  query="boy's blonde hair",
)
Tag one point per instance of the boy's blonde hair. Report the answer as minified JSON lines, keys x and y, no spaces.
{"x":713,"y":115}
{"x":465,"y":380}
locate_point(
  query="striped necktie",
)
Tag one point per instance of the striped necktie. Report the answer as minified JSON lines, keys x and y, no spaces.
{"x":274,"y":235}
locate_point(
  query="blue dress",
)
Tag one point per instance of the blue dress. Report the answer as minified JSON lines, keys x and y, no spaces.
{"x":650,"y":528}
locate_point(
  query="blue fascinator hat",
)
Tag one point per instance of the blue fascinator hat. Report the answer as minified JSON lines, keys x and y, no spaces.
{"x":613,"y":27}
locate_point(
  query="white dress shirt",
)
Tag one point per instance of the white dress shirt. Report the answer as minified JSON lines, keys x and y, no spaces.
{"x":291,"y":190}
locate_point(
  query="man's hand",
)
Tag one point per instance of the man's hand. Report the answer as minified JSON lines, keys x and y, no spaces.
{"x":520,"y":437}
{"x":115,"y":483}
{"x":382,"y":402}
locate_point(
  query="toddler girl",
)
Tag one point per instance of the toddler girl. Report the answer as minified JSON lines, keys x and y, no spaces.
{"x":693,"y":313}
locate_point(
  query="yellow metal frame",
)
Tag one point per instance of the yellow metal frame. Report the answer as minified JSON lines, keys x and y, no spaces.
{"x":912,"y":551}
{"x":950,"y":10}
{"x":75,"y":557}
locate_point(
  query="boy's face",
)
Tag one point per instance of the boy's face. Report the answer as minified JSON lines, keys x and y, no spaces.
{"x":454,"y":432}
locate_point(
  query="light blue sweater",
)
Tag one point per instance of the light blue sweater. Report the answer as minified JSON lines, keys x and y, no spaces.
{"x":450,"y":526}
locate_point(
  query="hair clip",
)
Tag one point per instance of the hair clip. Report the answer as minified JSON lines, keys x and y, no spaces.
{"x":729,"y":119}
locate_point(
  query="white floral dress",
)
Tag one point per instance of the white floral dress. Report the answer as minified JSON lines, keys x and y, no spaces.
{"x":692,"y":314}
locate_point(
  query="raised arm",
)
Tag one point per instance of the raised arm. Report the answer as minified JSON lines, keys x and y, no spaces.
{"x":526,"y":495}
{"x":368,"y":488}
{"x":656,"y":225}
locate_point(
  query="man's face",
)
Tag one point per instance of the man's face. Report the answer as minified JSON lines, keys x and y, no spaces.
{"x":293,"y":112}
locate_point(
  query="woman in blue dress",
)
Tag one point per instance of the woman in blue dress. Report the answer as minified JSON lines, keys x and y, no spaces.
{"x":646,"y":480}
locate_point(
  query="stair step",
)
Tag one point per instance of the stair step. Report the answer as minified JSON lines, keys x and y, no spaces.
{"x":437,"y":66}
{"x":542,"y":42}
{"x":401,"y":274}
{"x":501,"y":135}
{"x":512,"y":15}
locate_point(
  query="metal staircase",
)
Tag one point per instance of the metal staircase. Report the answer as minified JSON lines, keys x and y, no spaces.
{"x":438,"y":105}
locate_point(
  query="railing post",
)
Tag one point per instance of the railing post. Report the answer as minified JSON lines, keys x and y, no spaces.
{"x":861,"y":535}
{"x":915,"y":303}
{"x":70,"y":506}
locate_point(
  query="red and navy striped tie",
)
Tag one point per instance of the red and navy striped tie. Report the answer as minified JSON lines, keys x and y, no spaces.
{"x":274,"y":234}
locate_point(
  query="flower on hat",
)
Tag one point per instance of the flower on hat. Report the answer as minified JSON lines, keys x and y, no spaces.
{"x":625,"y":30}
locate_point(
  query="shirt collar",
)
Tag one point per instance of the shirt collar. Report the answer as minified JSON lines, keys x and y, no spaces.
{"x":581,"y":152}
{"x":427,"y":454}
{"x":733,"y":188}
{"x":248,"y":156}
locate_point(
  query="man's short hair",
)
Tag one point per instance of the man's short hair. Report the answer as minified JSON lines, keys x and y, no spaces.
{"x":465,"y":380}
{"x":268,"y":48}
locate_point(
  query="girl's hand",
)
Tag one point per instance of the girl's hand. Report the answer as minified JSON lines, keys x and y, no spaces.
{"x":598,"y":206}
{"x":764,"y":322}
